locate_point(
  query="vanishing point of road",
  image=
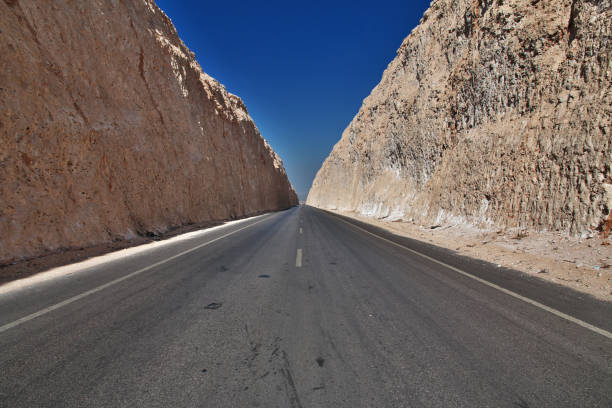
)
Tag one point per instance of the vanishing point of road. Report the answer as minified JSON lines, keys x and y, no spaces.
{"x":302,"y":308}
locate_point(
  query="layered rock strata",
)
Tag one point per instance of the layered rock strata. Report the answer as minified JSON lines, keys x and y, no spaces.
{"x":109,"y":129}
{"x":495,"y":114}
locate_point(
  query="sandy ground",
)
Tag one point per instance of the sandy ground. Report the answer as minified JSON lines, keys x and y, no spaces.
{"x":65,"y":256}
{"x":82,"y":265}
{"x":584,"y":264}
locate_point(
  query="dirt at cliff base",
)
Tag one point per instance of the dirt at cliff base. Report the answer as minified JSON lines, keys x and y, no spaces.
{"x":583,"y":264}
{"x":65,"y":256}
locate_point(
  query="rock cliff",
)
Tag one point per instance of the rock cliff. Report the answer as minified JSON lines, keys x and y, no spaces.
{"x":493,"y":113}
{"x":110,"y":129}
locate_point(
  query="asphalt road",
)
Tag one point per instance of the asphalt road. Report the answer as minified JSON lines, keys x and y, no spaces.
{"x":301,"y":309}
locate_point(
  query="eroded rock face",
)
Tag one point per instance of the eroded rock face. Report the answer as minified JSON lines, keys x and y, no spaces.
{"x":493,"y":113}
{"x":109,"y":129}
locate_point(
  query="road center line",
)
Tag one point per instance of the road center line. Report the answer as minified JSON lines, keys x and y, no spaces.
{"x":556,"y":312}
{"x":298,"y":258}
{"x":116,"y":281}
{"x":300,"y":230}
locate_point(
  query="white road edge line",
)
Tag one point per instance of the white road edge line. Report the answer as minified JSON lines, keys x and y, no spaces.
{"x":298,"y":258}
{"x":556,"y":312}
{"x":122,"y":254}
{"x":114,"y":282}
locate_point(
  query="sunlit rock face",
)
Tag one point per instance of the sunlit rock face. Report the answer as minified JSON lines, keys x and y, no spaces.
{"x":493,"y":113}
{"x":109,"y":128}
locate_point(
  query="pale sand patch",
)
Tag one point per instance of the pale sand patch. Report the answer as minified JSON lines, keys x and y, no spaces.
{"x":55,"y":273}
{"x":583,"y":264}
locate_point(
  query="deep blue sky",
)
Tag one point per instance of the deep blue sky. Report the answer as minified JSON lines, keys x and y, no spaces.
{"x":302,"y":68}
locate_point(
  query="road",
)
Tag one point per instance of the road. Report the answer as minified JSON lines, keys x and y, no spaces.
{"x":301,"y":308}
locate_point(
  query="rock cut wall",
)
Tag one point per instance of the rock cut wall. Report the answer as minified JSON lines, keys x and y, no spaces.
{"x":493,"y":113}
{"x":109,"y":129}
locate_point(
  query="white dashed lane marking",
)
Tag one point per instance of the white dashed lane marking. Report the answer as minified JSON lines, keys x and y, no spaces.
{"x":298,"y":258}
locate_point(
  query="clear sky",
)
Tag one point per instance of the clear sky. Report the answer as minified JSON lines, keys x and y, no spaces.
{"x":302,"y":68}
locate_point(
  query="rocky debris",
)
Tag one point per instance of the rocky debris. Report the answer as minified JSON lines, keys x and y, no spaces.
{"x":110,"y":130}
{"x":492,"y":114}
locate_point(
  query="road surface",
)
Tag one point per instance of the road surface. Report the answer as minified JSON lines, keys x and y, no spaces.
{"x":302,"y":308}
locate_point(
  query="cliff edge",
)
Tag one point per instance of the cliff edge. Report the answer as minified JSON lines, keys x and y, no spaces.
{"x":494,"y":114}
{"x":110,"y":129}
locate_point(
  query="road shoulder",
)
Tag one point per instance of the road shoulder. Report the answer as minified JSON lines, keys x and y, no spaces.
{"x":562,"y":298}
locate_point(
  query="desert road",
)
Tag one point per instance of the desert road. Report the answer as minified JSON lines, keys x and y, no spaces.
{"x":302,"y":308}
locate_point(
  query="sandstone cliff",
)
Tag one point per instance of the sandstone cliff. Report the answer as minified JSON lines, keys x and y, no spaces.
{"x":492,"y":113}
{"x":110,"y":129}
